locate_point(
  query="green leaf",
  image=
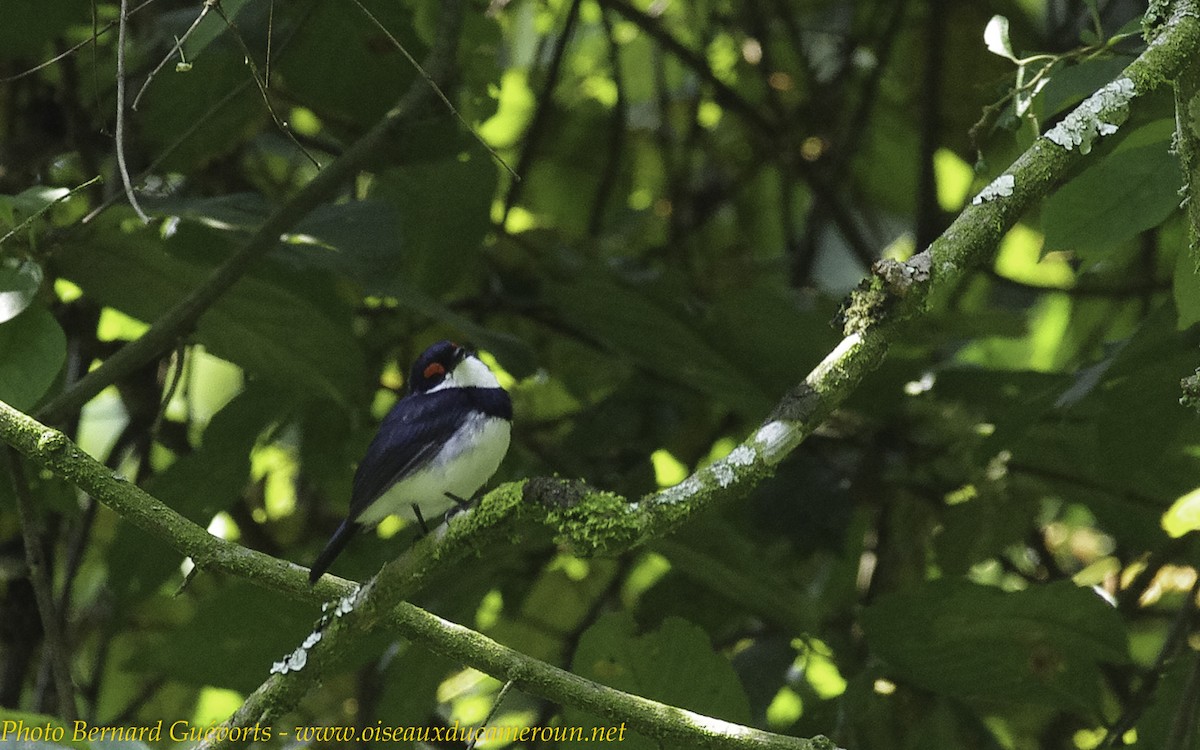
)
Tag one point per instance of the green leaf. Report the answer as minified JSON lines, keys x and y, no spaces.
{"x":19,"y":284}
{"x":1071,"y":84}
{"x":174,"y":103}
{"x":444,"y":211}
{"x":1186,"y":287}
{"x":361,"y":74}
{"x":213,"y":477}
{"x":32,"y":351}
{"x":285,"y":327}
{"x":1172,"y":713}
{"x":631,"y":324}
{"x":995,"y":36}
{"x":1040,"y":646}
{"x":1130,"y":190}
{"x":230,"y":642}
{"x":1119,"y":442}
{"x":674,"y":664}
{"x":31,"y":26}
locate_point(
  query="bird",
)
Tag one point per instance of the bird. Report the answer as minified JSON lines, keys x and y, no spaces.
{"x":437,"y":446}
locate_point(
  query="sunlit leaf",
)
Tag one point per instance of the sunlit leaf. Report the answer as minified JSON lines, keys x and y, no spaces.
{"x":32,"y":351}
{"x":19,"y":284}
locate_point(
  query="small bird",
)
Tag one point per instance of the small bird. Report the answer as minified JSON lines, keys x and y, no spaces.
{"x":435,"y":448}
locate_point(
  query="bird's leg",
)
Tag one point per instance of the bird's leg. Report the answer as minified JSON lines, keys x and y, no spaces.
{"x":420,"y":519}
{"x":462,"y":504}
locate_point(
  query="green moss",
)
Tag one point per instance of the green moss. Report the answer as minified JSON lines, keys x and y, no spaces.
{"x":598,"y":523}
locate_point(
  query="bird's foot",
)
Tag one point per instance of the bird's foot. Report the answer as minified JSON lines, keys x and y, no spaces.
{"x":416,"y":509}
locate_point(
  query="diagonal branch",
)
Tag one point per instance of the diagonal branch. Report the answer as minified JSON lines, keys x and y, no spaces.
{"x":596,"y":522}
{"x":375,"y":604}
{"x":592,"y":521}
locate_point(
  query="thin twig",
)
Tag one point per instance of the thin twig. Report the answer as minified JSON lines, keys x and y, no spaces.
{"x":204,"y":9}
{"x":121,"y":166}
{"x":270,"y":34}
{"x":96,"y":34}
{"x":491,"y":714}
{"x":1175,"y":642}
{"x":55,"y":650}
{"x":48,"y":206}
{"x":191,"y":130}
{"x":262,"y":85}
{"x":169,"y":150}
{"x":436,"y":89}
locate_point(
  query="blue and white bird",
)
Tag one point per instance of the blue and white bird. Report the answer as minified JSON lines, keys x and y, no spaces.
{"x":435,"y":448}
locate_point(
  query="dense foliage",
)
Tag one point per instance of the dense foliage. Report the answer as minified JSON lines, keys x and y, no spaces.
{"x":990,"y":544}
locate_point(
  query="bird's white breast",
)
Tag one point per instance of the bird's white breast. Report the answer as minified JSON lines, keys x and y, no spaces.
{"x":468,"y":459}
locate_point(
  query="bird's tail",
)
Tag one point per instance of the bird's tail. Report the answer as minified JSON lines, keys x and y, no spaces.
{"x":333,"y":548}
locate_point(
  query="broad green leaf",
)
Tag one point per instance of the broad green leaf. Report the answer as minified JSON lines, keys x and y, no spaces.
{"x":675,"y":664}
{"x":362,"y":74}
{"x":213,"y":94}
{"x":631,"y":324}
{"x":1071,"y":84}
{"x":1119,"y":441}
{"x":32,"y":351}
{"x":280,"y":327}
{"x":231,"y":641}
{"x":1186,"y":286}
{"x":771,"y":332}
{"x":1170,"y":720}
{"x":444,"y":212}
{"x":19,"y":284}
{"x":1132,"y":189}
{"x":213,"y":476}
{"x":31,"y":26}
{"x":1043,"y":645}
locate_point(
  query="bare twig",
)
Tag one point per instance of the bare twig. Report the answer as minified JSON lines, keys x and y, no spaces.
{"x":48,"y":206}
{"x":96,"y":34}
{"x":262,"y":85}
{"x":1175,"y":642}
{"x":204,"y":9}
{"x":270,"y":35}
{"x":120,"y":135}
{"x":491,"y":714}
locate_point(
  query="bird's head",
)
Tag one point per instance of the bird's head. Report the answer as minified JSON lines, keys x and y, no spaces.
{"x":448,"y":365}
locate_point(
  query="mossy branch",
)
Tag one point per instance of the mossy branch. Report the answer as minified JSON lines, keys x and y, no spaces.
{"x":1187,"y":146}
{"x":378,"y":604}
{"x":591,"y":521}
{"x":602,"y":523}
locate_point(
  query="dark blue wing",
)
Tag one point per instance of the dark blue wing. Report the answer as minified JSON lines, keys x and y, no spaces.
{"x":412,"y":434}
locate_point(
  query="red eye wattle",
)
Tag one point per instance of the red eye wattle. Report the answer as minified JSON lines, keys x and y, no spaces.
{"x":434,"y":369}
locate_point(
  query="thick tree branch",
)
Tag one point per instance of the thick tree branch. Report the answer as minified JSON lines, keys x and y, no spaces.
{"x":593,"y":521}
{"x":375,"y":603}
{"x":1187,"y":140}
{"x":597,"y":522}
